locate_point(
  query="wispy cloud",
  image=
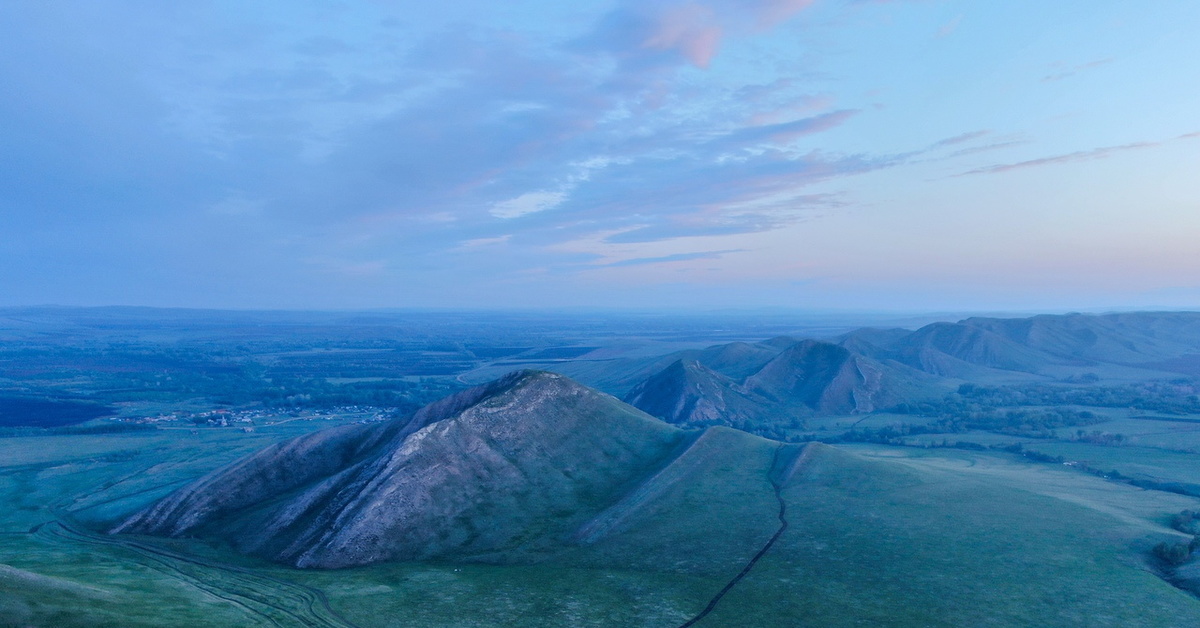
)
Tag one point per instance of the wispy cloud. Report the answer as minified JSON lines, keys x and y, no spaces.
{"x":663,"y":259}
{"x":1077,"y":156}
{"x":959,"y":139}
{"x":1072,"y":71}
{"x":785,"y":132}
{"x":478,"y":243}
{"x":528,"y":203}
{"x":948,"y":28}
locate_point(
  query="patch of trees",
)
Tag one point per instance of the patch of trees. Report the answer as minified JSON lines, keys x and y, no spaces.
{"x":42,"y":412}
{"x":1034,"y":411}
{"x":1186,"y":521}
{"x":1096,"y":437}
{"x":888,"y":435}
{"x":1181,"y":396}
{"x":958,"y":415}
{"x":1176,"y":553}
{"x":76,"y":430}
{"x":406,"y":396}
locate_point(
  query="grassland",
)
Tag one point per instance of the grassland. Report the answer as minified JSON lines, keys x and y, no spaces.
{"x":895,"y":536}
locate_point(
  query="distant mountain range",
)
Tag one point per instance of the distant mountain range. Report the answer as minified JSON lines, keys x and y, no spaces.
{"x":868,"y":370}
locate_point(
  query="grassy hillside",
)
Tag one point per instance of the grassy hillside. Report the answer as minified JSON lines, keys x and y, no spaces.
{"x":886,"y":544}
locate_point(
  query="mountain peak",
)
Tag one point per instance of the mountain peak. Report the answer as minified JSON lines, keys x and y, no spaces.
{"x":689,"y":393}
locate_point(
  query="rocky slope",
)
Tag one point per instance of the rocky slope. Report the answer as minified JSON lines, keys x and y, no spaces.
{"x":802,"y":378}
{"x":498,"y":472}
{"x":690,"y":393}
{"x":828,"y":379}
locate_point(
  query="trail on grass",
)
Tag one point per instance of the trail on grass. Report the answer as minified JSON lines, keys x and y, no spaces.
{"x":783,"y":525}
{"x":271,"y":600}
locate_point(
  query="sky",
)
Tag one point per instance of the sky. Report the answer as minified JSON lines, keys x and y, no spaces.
{"x":914,"y":155}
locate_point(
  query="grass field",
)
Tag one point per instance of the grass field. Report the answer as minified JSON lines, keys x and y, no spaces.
{"x":929,"y":545}
{"x":877,"y":536}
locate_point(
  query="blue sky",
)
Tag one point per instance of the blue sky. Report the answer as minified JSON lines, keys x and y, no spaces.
{"x":832,"y":154}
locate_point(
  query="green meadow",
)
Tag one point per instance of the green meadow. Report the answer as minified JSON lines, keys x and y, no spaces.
{"x":877,"y":535}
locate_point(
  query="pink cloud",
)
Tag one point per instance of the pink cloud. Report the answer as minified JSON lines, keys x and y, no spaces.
{"x":695,"y":29}
{"x":774,"y":12}
{"x":803,"y":106}
{"x":948,"y":28}
{"x":690,"y":29}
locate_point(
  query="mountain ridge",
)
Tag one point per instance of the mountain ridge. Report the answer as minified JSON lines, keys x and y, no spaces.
{"x":869,"y":370}
{"x":472,"y":476}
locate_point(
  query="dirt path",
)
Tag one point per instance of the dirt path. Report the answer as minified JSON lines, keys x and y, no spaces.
{"x":783,"y":525}
{"x":269,"y":599}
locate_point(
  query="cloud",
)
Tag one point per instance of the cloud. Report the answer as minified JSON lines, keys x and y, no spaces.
{"x":313,"y":148}
{"x":663,"y":259}
{"x":1077,"y":156}
{"x":792,"y":108}
{"x":237,"y":205}
{"x":948,"y":28}
{"x":479,"y":243}
{"x":348,"y":268}
{"x":972,"y":150}
{"x":959,"y":139}
{"x":785,"y":132}
{"x":528,"y":203}
{"x":750,"y":214}
{"x":965,"y":139}
{"x":1058,"y":76}
{"x":690,"y":29}
{"x":653,"y":33}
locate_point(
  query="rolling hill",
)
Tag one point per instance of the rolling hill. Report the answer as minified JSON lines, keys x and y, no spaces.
{"x":761,"y":385}
{"x":1048,"y":345}
{"x":802,"y":378}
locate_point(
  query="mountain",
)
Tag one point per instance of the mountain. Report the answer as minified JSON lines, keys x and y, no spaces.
{"x":758,"y":385}
{"x":828,"y":379}
{"x":736,"y":360}
{"x":690,"y":393}
{"x":1047,"y":345}
{"x":1133,"y":339}
{"x":958,"y":349}
{"x":801,"y":378}
{"x":507,"y":468}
